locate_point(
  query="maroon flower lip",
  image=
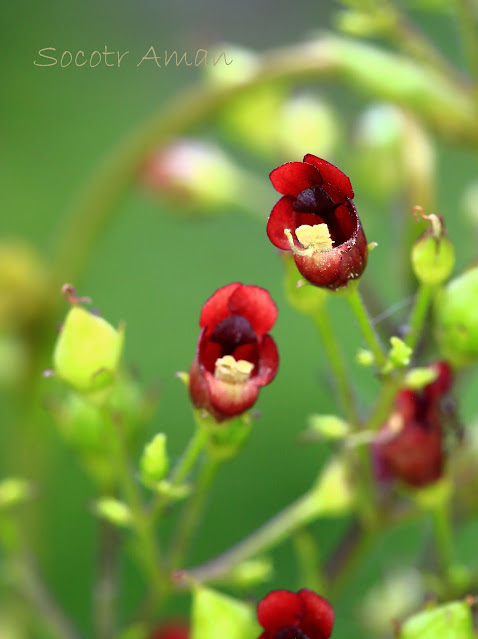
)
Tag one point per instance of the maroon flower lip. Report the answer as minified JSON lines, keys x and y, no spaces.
{"x":409,"y":446}
{"x":235,"y":354}
{"x":317,"y":220}
{"x":289,"y":615}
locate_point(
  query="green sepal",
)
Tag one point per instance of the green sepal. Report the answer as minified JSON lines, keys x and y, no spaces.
{"x":154,"y":462}
{"x":449,"y":621}
{"x":217,"y":616}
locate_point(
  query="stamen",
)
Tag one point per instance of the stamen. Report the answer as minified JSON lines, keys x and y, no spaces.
{"x":227,"y":369}
{"x":314,"y":238}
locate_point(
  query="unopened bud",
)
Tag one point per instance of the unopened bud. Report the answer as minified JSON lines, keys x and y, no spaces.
{"x":154,"y":463}
{"x":114,"y":511}
{"x":193,"y":172}
{"x":88,"y":350}
{"x":306,"y":122}
{"x":456,"y":314}
{"x":433,"y":255}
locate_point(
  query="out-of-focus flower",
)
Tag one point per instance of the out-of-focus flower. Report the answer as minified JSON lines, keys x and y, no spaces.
{"x":289,"y":615}
{"x":409,"y":446}
{"x":193,"y":172}
{"x":235,"y":354}
{"x":456,"y":315}
{"x":171,"y":630}
{"x":317,"y":220}
{"x":24,"y":285}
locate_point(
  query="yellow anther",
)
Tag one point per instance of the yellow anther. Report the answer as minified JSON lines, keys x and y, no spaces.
{"x":313,"y":238}
{"x":316,"y":237}
{"x":227,"y":369}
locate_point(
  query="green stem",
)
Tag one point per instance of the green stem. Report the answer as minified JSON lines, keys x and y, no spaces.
{"x":385,"y":401}
{"x":183,"y":468}
{"x":191,"y":515}
{"x":367,"y":328}
{"x":443,"y":536}
{"x":419,"y":314}
{"x":467,"y":14}
{"x":105,"y":591}
{"x":309,"y":561}
{"x":337,"y":364}
{"x":301,"y":512}
{"x":36,"y":593}
{"x":148,"y":550}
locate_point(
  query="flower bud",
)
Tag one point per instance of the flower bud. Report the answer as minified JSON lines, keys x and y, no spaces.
{"x":88,"y":350}
{"x":154,"y":463}
{"x":306,"y":121}
{"x":433,"y":255}
{"x":195,"y":173}
{"x":456,"y":315}
{"x":114,"y":511}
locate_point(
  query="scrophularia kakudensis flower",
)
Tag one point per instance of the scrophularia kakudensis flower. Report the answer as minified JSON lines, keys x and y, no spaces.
{"x":409,"y":446}
{"x":235,"y":355}
{"x":317,"y":220}
{"x":289,"y":615}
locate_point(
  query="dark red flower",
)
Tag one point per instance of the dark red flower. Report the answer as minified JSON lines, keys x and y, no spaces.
{"x":289,"y":615}
{"x":171,"y":630}
{"x":409,"y":446}
{"x":317,"y":220}
{"x":235,"y":355}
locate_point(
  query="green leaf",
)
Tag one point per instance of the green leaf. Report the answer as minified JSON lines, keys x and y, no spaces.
{"x":218,"y":616}
{"x":450,"y":621}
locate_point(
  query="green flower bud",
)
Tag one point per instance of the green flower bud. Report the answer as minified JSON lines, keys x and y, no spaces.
{"x":433,"y":255}
{"x":453,"y":620}
{"x":418,"y":378}
{"x":456,"y":314}
{"x":329,"y":427}
{"x":114,"y":511}
{"x":88,"y":351}
{"x":154,"y":463}
{"x":306,"y":122}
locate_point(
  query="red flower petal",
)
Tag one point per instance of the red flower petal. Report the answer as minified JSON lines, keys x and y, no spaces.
{"x":268,"y":361}
{"x":293,"y":177}
{"x":281,"y":217}
{"x":280,"y":609}
{"x":228,"y":400}
{"x":256,"y":305}
{"x":318,"y":620}
{"x":216,"y":307}
{"x":331,"y":175}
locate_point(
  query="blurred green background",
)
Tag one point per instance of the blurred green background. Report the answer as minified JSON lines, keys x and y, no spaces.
{"x":154,"y":269}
